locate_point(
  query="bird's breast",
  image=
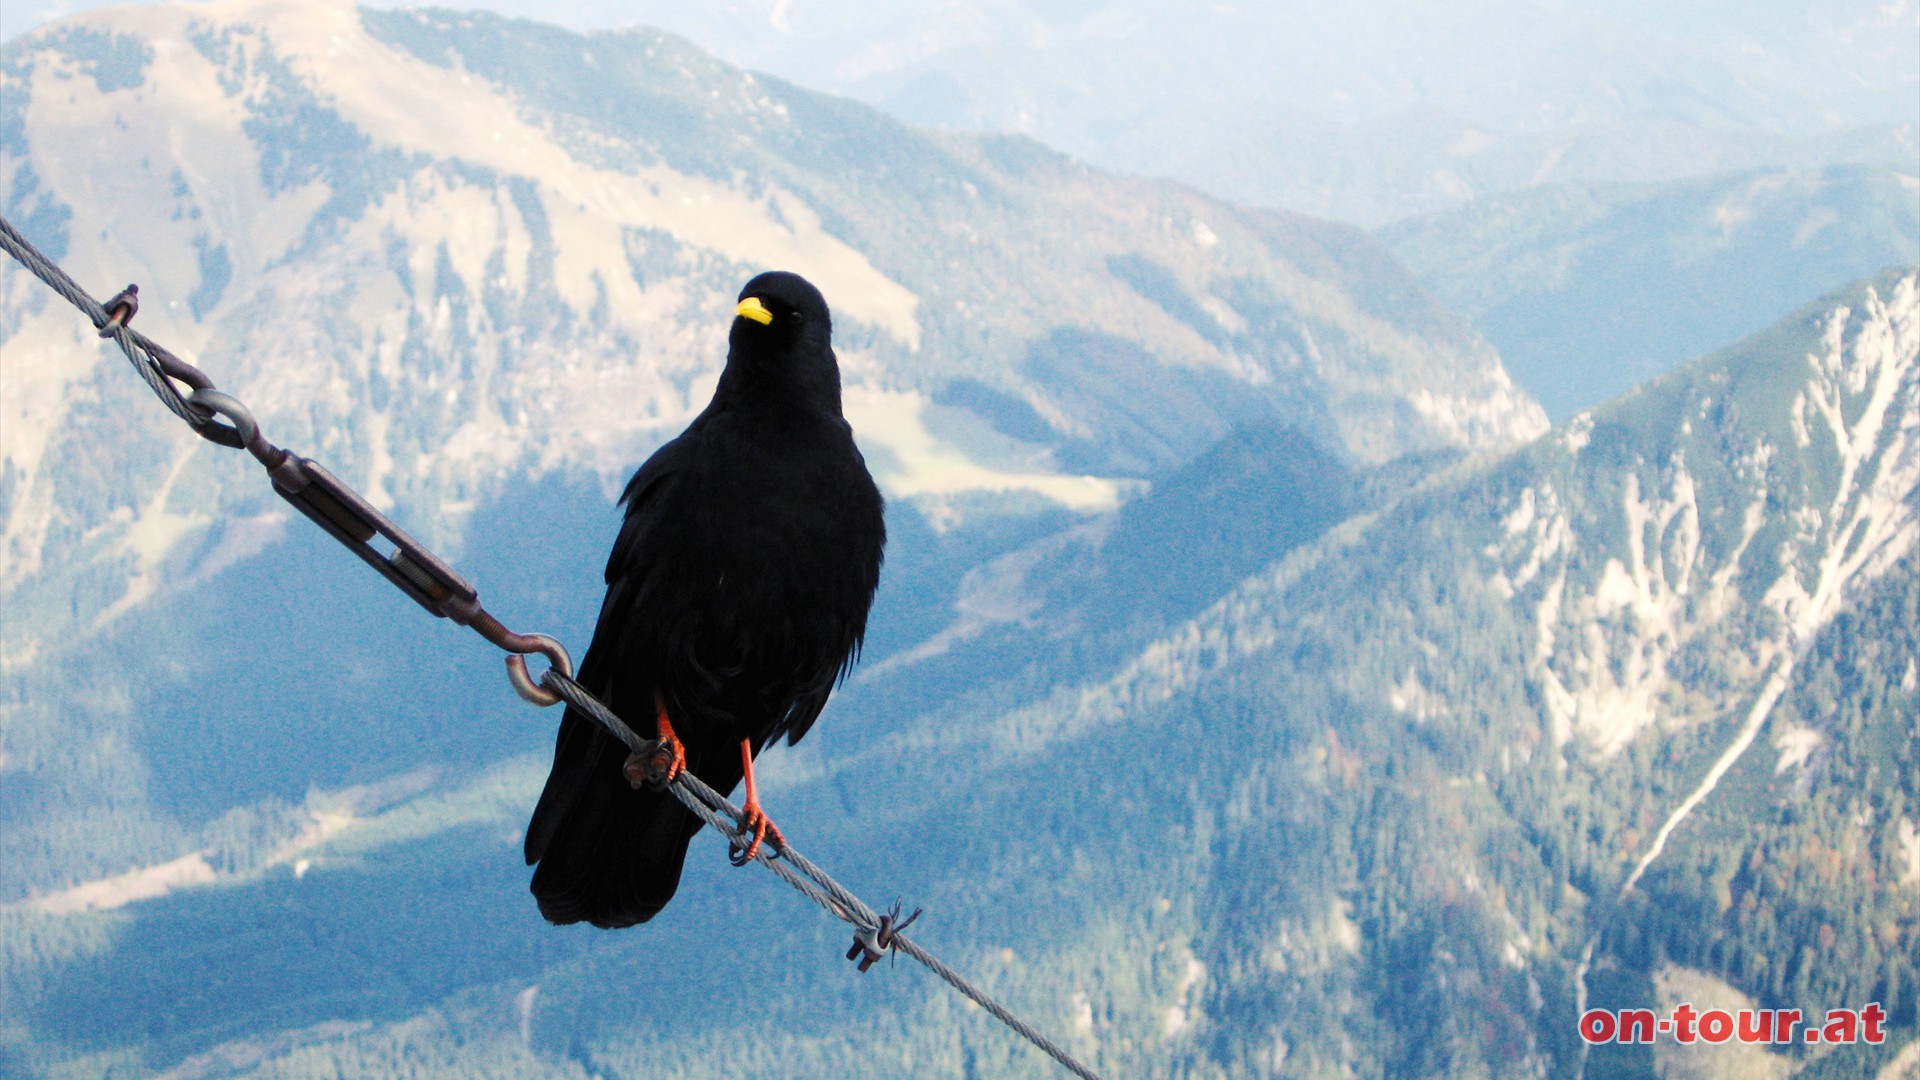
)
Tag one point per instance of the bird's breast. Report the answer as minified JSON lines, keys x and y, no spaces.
{"x":788,"y":521}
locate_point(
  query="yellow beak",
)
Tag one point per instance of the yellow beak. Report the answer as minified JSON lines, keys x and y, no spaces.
{"x":752,"y":308}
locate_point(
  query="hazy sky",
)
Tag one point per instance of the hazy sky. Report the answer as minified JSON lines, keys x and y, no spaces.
{"x":1766,"y":63}
{"x":1367,"y":110}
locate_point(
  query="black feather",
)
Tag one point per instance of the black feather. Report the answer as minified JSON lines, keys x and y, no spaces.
{"x":737,"y":595}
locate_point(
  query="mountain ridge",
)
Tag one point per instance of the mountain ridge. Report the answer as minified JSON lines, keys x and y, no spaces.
{"x":1368,"y":113}
{"x":1591,"y":289}
{"x":1357,"y":782}
{"x":1493,"y":865}
{"x":395,"y":234}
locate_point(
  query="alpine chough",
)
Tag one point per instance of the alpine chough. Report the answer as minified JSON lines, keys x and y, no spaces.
{"x":737,"y":598}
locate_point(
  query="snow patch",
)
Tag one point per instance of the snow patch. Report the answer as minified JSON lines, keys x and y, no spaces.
{"x":1795,"y":744}
{"x":1629,"y":626}
{"x":1909,"y":838}
{"x":1578,"y":433}
{"x":453,"y":115}
{"x":1604,"y":646}
{"x":151,"y":533}
{"x":1082,"y":1012}
{"x":1410,"y":696}
{"x":1179,"y":1016}
{"x":142,"y":883}
{"x":1870,"y":522}
{"x":1472,"y":418}
{"x":909,"y":460}
{"x":1522,"y":516}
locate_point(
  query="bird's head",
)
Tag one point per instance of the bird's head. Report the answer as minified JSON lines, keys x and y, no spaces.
{"x":779,"y":311}
{"x":782,"y":341}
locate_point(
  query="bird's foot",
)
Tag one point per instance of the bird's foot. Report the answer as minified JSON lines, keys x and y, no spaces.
{"x":663,"y":759}
{"x":755,"y":821}
{"x":659,"y":764}
{"x":752,"y":819}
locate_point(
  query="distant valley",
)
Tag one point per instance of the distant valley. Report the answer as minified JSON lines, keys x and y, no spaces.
{"x":1258,"y":684}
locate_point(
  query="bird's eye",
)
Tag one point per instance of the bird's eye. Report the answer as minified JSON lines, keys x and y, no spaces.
{"x":796,"y":318}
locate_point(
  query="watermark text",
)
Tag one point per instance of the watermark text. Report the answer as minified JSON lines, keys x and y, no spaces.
{"x":1686,"y":1024}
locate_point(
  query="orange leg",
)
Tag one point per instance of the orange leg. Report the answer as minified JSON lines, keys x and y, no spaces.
{"x":754,"y":819}
{"x":668,"y":758}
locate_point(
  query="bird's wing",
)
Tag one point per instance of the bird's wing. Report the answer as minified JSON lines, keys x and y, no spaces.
{"x":583,"y":748}
{"x":806,"y":709}
{"x":642,"y":492}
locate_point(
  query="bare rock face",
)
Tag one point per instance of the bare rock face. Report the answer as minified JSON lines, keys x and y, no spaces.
{"x":436,"y":252}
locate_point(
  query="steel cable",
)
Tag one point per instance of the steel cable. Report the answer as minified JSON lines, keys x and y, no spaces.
{"x":875,"y":934}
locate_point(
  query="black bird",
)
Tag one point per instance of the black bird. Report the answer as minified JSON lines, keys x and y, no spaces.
{"x":737,"y":598}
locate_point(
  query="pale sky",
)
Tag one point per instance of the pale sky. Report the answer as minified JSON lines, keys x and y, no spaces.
{"x":1284,"y":102}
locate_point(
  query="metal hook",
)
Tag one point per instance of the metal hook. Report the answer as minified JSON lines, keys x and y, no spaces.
{"x":220,"y":403}
{"x":523,"y":683}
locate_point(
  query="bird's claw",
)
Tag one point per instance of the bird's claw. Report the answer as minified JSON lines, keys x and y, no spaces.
{"x":754,"y":820}
{"x":659,"y":765}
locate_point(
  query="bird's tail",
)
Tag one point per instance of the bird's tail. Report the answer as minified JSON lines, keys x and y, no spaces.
{"x":607,"y":853}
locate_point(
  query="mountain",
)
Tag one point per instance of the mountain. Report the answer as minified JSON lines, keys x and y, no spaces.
{"x":1589,"y":290}
{"x":1261,"y":717}
{"x":1625,"y":717}
{"x":1394,"y":802}
{"x":515,"y":239}
{"x":1364,"y":112}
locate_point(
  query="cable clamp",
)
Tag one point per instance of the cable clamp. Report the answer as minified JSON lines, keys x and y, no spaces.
{"x":872,"y":943}
{"x":120,"y":310}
